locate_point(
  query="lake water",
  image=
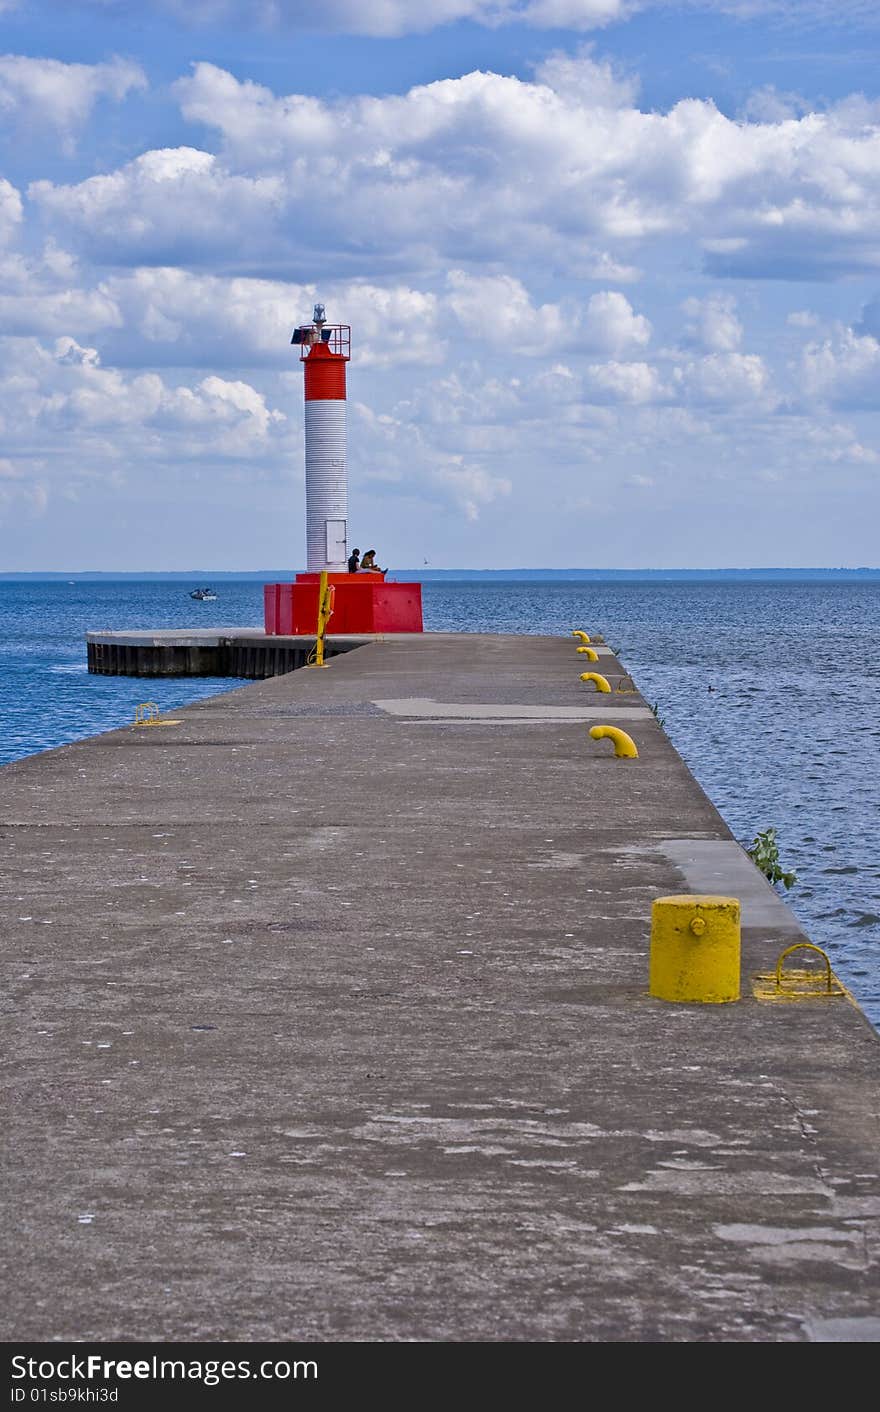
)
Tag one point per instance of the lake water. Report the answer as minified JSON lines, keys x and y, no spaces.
{"x":788,"y":737}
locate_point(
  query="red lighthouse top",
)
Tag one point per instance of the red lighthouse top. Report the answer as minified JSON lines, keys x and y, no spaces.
{"x":322,"y":338}
{"x":325,"y":349}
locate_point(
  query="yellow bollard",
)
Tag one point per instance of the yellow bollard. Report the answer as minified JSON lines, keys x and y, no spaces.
{"x":695,"y":949}
{"x":602,"y":683}
{"x":589,"y":652}
{"x":624,"y":745}
{"x":578,"y":632}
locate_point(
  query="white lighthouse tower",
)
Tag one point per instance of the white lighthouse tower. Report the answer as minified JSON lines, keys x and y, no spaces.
{"x":325,"y":349}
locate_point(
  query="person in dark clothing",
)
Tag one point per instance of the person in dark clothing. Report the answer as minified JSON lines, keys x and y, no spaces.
{"x":354,"y":561}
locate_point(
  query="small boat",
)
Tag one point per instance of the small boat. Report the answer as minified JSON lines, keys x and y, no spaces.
{"x":204,"y":595}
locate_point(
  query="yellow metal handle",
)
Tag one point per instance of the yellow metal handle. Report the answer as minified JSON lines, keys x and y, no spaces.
{"x":804,"y":946}
{"x":589,"y":652}
{"x":578,"y":632}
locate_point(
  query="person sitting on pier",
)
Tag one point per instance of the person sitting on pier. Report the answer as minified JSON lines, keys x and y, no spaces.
{"x":354,"y":560}
{"x":368,"y":563}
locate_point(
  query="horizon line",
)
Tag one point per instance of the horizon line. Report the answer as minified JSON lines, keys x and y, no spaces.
{"x":426,"y":570}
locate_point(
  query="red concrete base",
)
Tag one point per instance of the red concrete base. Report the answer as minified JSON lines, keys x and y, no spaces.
{"x":362,"y":603}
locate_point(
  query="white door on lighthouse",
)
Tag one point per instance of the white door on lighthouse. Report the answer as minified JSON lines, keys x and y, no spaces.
{"x":336,"y":541}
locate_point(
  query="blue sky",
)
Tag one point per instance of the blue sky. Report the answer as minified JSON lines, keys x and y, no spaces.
{"x":612,"y":271}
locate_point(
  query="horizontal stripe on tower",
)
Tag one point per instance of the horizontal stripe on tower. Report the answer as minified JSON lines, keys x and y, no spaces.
{"x":325,"y":375}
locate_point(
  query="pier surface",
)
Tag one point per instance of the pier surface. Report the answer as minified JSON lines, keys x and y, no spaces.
{"x":328,"y":1021}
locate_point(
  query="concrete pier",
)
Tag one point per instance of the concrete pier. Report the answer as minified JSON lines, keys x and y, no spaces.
{"x":201,"y":652}
{"x":328,"y":1020}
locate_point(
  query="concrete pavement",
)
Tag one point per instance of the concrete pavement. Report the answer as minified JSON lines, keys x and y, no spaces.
{"x":327,"y":1019}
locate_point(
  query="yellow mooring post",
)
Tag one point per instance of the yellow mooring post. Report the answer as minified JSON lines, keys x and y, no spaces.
{"x":602,"y":683}
{"x":325,"y":608}
{"x":695,"y":949}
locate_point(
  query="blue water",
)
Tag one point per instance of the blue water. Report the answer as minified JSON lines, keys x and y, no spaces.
{"x":789,"y":737}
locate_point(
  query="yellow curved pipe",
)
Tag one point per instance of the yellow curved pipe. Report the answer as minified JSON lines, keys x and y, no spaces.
{"x":624,"y":745}
{"x":602,"y":683}
{"x":578,"y":632}
{"x":590,"y":653}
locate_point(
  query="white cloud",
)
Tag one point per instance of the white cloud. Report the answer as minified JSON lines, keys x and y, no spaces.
{"x":726,"y":379}
{"x":170,"y":205}
{"x":207,"y":320}
{"x":627,"y":382}
{"x":40,"y":295}
{"x":592,"y":82}
{"x":471,"y":487}
{"x":65,"y":388}
{"x":844,"y":369}
{"x":837,"y":443}
{"x":497,"y":310}
{"x":768,"y":105}
{"x":611,"y":325}
{"x":10,"y":210}
{"x":434,"y":173}
{"x":713,"y":323}
{"x":48,"y":93}
{"x":68,"y":351}
{"x":186,"y":318}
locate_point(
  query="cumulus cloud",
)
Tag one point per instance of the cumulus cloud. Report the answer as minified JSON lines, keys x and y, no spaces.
{"x":471,"y":487}
{"x":184,"y":318}
{"x":167,"y":206}
{"x":627,"y":382}
{"x":435,"y":170}
{"x":431,"y":179}
{"x":726,"y":379}
{"x":592,"y":82}
{"x":40,"y":294}
{"x":10,"y":210}
{"x":712,"y":323}
{"x":611,"y":324}
{"x":49,"y":93}
{"x":63,"y":387}
{"x":844,"y":370}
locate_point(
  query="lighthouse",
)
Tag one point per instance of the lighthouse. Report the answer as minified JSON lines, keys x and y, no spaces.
{"x":324,"y":350}
{"x":364,"y":602}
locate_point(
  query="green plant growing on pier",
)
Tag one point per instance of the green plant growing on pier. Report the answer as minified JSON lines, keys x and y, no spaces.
{"x":764,"y":853}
